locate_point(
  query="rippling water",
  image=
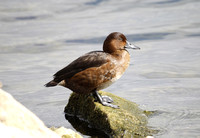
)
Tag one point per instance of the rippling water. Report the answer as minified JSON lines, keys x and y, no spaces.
{"x":37,"y":38}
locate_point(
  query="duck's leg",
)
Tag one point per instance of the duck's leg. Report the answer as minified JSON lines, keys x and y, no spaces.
{"x":104,"y":100}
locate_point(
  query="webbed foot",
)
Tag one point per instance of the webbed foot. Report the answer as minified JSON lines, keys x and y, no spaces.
{"x":110,"y":105}
{"x":104,"y":100}
{"x":107,"y":99}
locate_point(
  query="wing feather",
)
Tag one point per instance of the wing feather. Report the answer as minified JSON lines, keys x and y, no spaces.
{"x":92,"y":59}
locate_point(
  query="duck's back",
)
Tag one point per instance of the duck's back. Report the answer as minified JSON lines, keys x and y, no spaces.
{"x":91,"y":59}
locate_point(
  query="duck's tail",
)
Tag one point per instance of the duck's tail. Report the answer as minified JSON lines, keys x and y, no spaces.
{"x":51,"y":84}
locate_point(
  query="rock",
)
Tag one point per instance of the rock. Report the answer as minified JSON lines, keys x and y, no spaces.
{"x":128,"y":121}
{"x":16,"y":121}
{"x":66,"y":133}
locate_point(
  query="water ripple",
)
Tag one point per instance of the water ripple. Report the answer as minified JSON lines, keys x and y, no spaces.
{"x":96,"y":2}
{"x":130,"y":37}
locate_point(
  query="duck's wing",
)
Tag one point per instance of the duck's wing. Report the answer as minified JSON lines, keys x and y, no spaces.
{"x":92,"y":59}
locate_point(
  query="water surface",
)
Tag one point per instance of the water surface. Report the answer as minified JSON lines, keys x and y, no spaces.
{"x":37,"y":38}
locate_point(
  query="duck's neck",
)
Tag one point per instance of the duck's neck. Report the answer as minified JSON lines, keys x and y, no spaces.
{"x":121,"y":54}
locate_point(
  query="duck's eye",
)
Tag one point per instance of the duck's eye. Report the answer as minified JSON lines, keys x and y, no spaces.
{"x":120,"y":39}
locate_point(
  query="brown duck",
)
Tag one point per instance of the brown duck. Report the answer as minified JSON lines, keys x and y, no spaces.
{"x":96,"y":70}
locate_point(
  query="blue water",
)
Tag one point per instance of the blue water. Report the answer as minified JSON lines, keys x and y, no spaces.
{"x":37,"y":38}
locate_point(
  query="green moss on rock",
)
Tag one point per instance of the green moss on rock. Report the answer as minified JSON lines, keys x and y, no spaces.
{"x":128,"y":121}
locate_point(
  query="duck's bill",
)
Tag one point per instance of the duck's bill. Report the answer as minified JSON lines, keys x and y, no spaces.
{"x":131,"y":46}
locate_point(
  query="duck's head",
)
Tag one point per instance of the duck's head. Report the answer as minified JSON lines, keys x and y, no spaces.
{"x":116,"y":41}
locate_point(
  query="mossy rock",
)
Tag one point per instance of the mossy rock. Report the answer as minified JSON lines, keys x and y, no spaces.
{"x":127,"y":121}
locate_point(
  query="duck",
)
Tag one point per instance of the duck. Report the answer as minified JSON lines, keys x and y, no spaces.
{"x":97,"y":70}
